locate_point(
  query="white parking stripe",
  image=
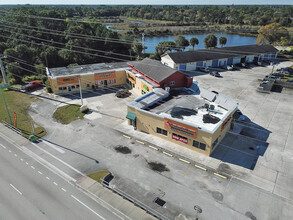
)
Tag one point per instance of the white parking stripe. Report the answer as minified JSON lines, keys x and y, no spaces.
{"x":15,"y":189}
{"x":87,"y":207}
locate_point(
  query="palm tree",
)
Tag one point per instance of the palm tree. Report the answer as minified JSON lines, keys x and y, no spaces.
{"x":193,"y":41}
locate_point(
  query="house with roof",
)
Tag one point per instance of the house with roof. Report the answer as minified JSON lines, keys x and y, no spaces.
{"x":147,"y":74}
{"x":218,"y":57}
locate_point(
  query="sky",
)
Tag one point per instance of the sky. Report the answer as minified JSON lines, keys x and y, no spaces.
{"x":149,"y":2}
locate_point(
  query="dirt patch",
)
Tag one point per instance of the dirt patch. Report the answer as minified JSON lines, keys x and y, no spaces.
{"x":159,"y":167}
{"x":122,"y":149}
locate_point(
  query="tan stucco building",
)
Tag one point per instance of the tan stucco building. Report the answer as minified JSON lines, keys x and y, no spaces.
{"x":68,"y":79}
{"x":194,"y":118}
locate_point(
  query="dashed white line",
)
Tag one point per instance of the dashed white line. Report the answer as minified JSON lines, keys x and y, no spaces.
{"x":47,"y":178}
{"x":15,"y":155}
{"x":10,"y":151}
{"x":63,"y":189}
{"x":21,"y":159}
{"x":87,"y":207}
{"x":40,"y":172}
{"x":3,"y":146}
{"x":33,"y":167}
{"x":26,"y":163}
{"x":15,"y":189}
{"x":55,"y":183}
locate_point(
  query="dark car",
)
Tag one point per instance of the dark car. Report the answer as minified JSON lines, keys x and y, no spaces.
{"x":32,"y":85}
{"x":122,"y":93}
{"x":215,"y":73}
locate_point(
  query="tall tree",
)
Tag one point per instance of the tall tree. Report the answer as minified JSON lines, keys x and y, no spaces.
{"x":222,"y":41}
{"x":272,"y":33}
{"x":137,"y":48}
{"x":193,"y":41}
{"x":210,"y":41}
{"x":181,"y":42}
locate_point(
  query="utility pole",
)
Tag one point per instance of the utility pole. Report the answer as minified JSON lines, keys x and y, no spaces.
{"x":45,"y":54}
{"x":80,"y":92}
{"x":142,"y":41}
{"x":3,"y":70}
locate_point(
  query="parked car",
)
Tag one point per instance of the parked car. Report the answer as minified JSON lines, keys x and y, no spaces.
{"x":230,"y":68}
{"x":205,"y":69}
{"x":32,"y":85}
{"x":122,"y":93}
{"x":215,"y":73}
{"x":234,"y":67}
{"x":244,"y":65}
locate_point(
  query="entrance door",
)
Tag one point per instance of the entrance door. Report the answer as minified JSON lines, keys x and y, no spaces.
{"x":69,"y":88}
{"x":105,"y":82}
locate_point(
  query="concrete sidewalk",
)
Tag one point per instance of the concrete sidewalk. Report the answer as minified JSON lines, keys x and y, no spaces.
{"x":103,"y":195}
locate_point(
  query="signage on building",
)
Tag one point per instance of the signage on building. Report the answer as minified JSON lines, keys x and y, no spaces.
{"x":179,"y":138}
{"x":103,"y":76}
{"x":67,"y":80}
{"x":180,"y":128}
{"x":131,"y":78}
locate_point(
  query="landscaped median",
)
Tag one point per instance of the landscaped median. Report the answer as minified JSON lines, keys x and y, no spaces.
{"x":18,"y":104}
{"x":68,"y":113}
{"x":99,"y":176}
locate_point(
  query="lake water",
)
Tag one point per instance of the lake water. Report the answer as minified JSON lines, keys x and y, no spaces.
{"x":232,"y":40}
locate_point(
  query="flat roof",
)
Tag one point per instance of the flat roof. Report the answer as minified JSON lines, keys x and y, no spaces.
{"x":86,"y":69}
{"x":193,"y":106}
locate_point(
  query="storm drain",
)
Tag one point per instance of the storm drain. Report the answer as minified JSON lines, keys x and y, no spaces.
{"x":160,"y":202}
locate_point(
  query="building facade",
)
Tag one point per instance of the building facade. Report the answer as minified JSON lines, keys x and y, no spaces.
{"x":218,"y":57}
{"x":193,"y":118}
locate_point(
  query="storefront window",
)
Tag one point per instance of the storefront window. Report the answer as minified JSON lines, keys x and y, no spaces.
{"x":162,"y":131}
{"x":199,"y":145}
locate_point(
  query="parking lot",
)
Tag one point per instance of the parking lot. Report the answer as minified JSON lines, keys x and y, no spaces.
{"x":264,"y":192}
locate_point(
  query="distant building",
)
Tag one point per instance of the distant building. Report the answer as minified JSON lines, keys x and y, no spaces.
{"x":194,"y":118}
{"x":66,"y":79}
{"x":147,"y":74}
{"x":218,"y":57}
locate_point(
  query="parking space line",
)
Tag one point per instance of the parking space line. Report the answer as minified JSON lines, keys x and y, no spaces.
{"x":15,"y":189}
{"x":126,"y":136}
{"x":185,"y":161}
{"x":139,"y":141}
{"x":224,"y":177}
{"x":170,"y":155}
{"x":200,"y":167}
{"x":153,"y":147}
{"x":187,"y":170}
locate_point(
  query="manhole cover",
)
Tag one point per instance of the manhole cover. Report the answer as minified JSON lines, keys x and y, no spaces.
{"x":160,"y":202}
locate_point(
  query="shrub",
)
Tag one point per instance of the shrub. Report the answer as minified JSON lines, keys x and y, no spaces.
{"x":48,"y":86}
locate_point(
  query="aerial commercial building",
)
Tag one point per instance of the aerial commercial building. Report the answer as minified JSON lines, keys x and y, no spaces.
{"x":218,"y":57}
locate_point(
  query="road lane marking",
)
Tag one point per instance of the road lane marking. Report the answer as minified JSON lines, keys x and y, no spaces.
{"x":40,"y":172}
{"x":224,"y":177}
{"x":61,"y":161}
{"x":153,"y":147}
{"x":53,"y":146}
{"x":126,"y":136}
{"x":200,"y":167}
{"x":15,"y":155}
{"x":55,"y":183}
{"x":15,"y":189}
{"x":170,"y":155}
{"x":185,"y":161}
{"x":63,"y":189}
{"x":3,"y":146}
{"x":139,"y":142}
{"x":26,"y":163}
{"x":187,"y":170}
{"x":21,"y":159}
{"x":87,"y":207}
{"x":47,"y":178}
{"x":33,"y":167}
{"x":10,"y":151}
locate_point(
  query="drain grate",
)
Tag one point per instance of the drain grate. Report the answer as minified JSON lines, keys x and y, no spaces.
{"x":160,"y":202}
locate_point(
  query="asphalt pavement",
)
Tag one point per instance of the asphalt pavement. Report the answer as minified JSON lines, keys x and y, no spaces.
{"x":31,"y":191}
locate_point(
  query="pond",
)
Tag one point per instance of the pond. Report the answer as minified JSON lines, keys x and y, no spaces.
{"x":232,"y":40}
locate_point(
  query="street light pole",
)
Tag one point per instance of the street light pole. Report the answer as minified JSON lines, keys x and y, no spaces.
{"x":198,"y":211}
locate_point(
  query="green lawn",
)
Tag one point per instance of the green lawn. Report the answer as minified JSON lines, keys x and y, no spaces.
{"x":99,"y":176}
{"x":68,"y":113}
{"x":19,"y":103}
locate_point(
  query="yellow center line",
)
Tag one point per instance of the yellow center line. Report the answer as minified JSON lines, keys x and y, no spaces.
{"x":185,"y":161}
{"x":126,"y":136}
{"x":153,"y":147}
{"x":224,"y":177}
{"x":200,"y":167}
{"x":139,"y":142}
{"x":170,"y":155}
